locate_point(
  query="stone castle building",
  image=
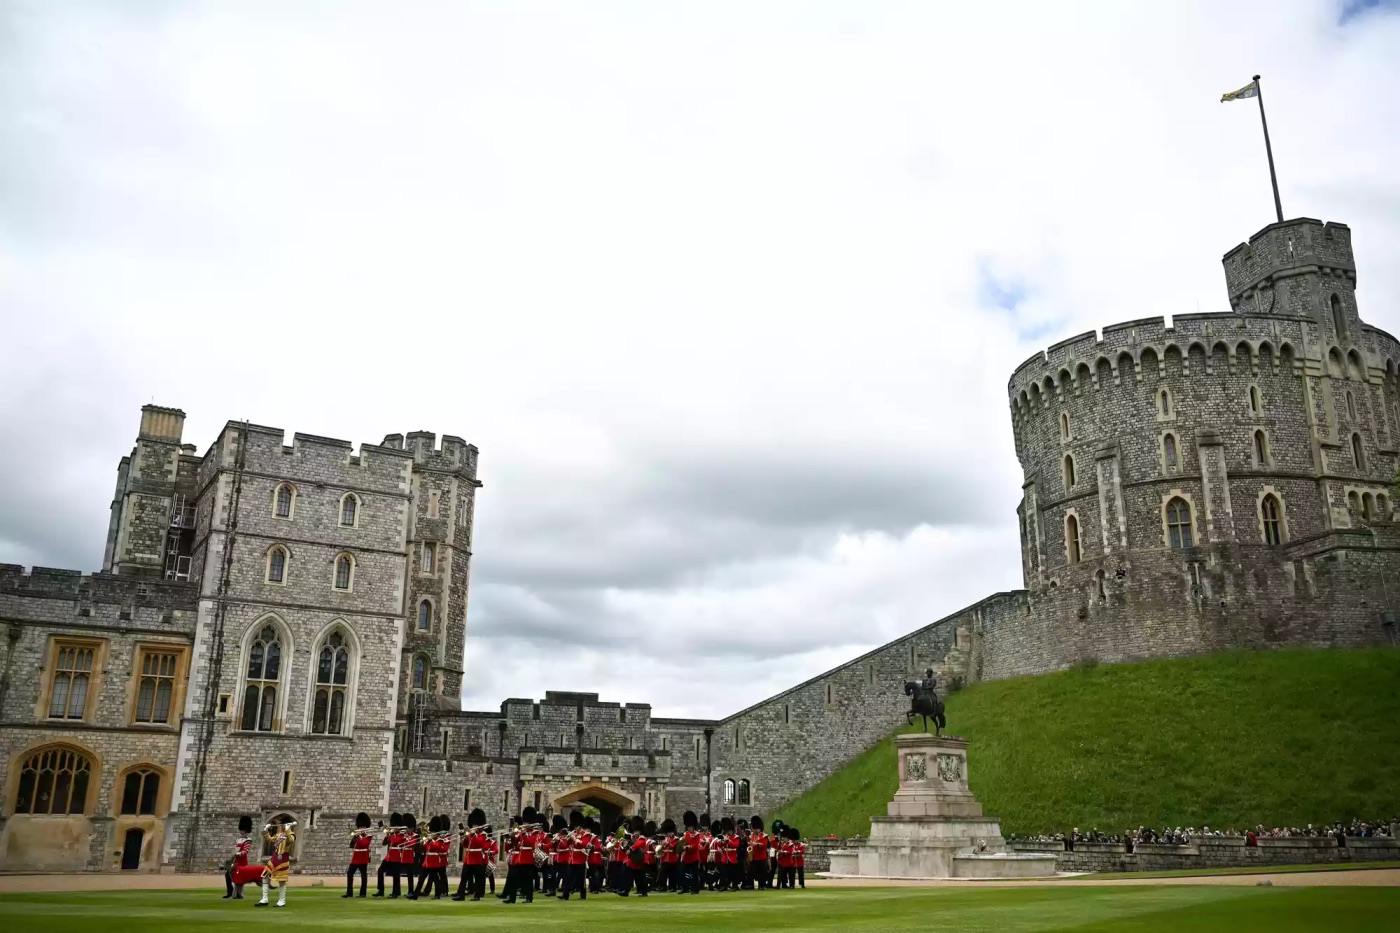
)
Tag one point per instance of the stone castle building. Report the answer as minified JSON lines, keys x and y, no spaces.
{"x":279,"y":628}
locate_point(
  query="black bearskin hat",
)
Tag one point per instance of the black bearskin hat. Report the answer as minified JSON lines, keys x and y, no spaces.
{"x":726,"y":824}
{"x":560,"y":824}
{"x":636,"y":825}
{"x":528,"y":815}
{"x":362,"y":821}
{"x":444,"y":822}
{"x":668,"y":825}
{"x":435,"y":825}
{"x":793,"y":833}
{"x":756,"y":822}
{"x":715,"y":828}
{"x":575,"y":819}
{"x":410,"y":821}
{"x":704,"y":820}
{"x":688,"y":819}
{"x":476,"y":818}
{"x":395,"y":819}
{"x":778,"y":827}
{"x":245,"y":824}
{"x":651,"y":829}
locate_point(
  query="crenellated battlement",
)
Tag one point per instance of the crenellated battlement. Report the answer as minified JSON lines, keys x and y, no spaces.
{"x":1285,"y":249}
{"x":453,"y":454}
{"x":96,"y":589}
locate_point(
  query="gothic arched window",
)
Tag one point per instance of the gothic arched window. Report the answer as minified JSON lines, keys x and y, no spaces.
{"x":1261,"y":449}
{"x":425,"y":616}
{"x":745,"y":793}
{"x":284,"y":500}
{"x":1169,"y":455}
{"x":1357,"y":459}
{"x":328,"y":706}
{"x":729,"y":789}
{"x":1072,"y":538}
{"x":264,"y":677}
{"x":277,"y":565}
{"x":1179,"y":523}
{"x":344,"y":571}
{"x":54,"y":780}
{"x":1269,"y":517}
{"x":349,"y":509}
{"x":140,"y":791}
{"x":1069,"y":473}
{"x":420,"y":673}
{"x":1338,"y":318}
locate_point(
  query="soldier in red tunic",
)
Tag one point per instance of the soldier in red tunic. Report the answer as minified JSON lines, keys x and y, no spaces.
{"x":476,"y":844}
{"x":408,"y":857}
{"x":390,"y":863}
{"x":758,"y":854}
{"x":239,"y":872}
{"x":360,"y":841}
{"x":637,"y":846}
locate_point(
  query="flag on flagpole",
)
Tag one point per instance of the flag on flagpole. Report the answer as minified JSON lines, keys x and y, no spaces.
{"x":1249,"y":90}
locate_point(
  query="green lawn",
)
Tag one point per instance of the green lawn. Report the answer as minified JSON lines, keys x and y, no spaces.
{"x":1231,"y":739}
{"x":1169,"y":909}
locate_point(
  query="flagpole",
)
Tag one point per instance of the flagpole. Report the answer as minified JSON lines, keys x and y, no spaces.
{"x":1268,"y":149}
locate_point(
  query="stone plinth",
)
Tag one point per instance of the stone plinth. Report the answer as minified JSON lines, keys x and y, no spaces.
{"x":934,"y":827}
{"x":932,"y":778}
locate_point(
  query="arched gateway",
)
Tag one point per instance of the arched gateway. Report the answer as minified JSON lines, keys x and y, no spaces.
{"x":610,"y":801}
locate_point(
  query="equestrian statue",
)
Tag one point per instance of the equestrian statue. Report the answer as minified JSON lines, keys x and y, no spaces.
{"x":924,"y":702}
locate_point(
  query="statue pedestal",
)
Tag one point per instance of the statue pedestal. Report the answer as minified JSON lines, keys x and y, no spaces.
{"x":934,"y":827}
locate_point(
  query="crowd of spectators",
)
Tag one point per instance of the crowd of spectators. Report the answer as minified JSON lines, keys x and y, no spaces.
{"x":1357,"y":828}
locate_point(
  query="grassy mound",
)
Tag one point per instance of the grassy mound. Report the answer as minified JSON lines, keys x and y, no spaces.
{"x":1233,"y":739}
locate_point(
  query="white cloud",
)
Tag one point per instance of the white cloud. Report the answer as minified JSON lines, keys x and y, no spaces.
{"x":706,"y":283}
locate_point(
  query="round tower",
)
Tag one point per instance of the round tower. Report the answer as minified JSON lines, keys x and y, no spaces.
{"x":1224,"y":481}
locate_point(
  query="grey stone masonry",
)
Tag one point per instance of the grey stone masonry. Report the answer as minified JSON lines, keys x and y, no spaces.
{"x":1221,"y":482}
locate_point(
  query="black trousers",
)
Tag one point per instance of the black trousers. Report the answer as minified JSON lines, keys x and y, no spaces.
{"x":231,"y":889}
{"x":392,"y":870}
{"x":410,"y":872}
{"x":575,"y":881}
{"x":473,"y":883}
{"x":758,"y":874}
{"x":801,"y":876}
{"x":350,"y":879}
{"x":639,"y":879}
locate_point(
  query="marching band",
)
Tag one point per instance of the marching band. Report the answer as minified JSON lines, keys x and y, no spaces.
{"x":558,"y":858}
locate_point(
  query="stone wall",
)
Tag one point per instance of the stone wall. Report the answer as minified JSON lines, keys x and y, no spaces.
{"x":1214,"y":852}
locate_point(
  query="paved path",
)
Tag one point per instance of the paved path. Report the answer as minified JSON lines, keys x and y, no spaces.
{"x":106,"y":881}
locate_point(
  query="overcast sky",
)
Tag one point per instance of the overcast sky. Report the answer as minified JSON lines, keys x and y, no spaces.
{"x":727,"y":294}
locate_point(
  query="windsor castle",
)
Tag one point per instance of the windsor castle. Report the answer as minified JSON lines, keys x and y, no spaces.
{"x":279,"y":628}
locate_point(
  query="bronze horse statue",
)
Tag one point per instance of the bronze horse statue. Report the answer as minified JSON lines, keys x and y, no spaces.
{"x":925,"y":703}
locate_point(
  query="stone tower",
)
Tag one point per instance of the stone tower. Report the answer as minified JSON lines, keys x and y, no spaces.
{"x":1207,"y":485}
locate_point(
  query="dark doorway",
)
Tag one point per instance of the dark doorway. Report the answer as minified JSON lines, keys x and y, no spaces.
{"x":131,"y":850}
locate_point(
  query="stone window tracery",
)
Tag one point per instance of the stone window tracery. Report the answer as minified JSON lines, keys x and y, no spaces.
{"x":334,"y":673}
{"x":1179,"y":523}
{"x":1270,"y":515}
{"x":72,"y":676}
{"x":54,"y":781}
{"x":140,"y":792}
{"x":263,"y":679}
